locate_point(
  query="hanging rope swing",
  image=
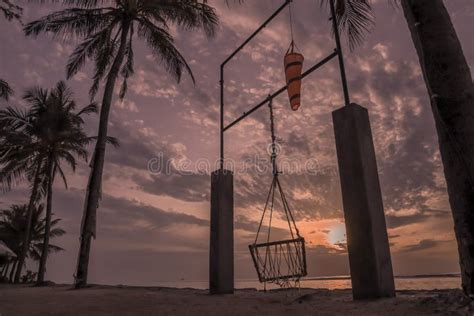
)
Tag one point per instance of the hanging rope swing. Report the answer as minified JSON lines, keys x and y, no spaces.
{"x":293,"y":62}
{"x":281,"y":262}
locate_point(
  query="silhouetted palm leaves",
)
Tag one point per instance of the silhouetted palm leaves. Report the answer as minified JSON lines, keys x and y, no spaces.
{"x":5,"y":90}
{"x":34,"y":145}
{"x":10,"y":10}
{"x":103,"y":33}
{"x":355,"y":19}
{"x":13,"y":225}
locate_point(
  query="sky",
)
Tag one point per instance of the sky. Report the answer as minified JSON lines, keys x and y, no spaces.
{"x":153,"y":223}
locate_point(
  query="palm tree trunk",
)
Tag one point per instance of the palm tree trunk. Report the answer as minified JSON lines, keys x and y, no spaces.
{"x":449,"y":83}
{"x":26,"y":237}
{"x":94,"y":186}
{"x":47,"y":227}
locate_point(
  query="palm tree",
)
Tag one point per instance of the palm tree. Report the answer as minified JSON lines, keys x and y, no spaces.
{"x":20,"y":159}
{"x":107,"y":32}
{"x":449,"y":83}
{"x":62,"y":138}
{"x":10,"y":11}
{"x":36,"y":143}
{"x":13,"y":223}
{"x":451,"y":90}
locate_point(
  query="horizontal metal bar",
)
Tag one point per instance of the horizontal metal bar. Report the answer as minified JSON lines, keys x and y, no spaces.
{"x":279,"y":242}
{"x":279,"y":91}
{"x":256,"y":32}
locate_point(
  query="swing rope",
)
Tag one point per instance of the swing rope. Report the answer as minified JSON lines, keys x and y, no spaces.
{"x":280,"y":262}
{"x":293,"y":45}
{"x":291,"y":22}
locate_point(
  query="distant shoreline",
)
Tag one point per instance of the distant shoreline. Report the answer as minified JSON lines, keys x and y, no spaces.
{"x":328,"y":278}
{"x":176,"y":283}
{"x":417,"y":276}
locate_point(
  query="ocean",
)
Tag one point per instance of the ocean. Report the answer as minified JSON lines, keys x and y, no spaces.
{"x":333,"y":283}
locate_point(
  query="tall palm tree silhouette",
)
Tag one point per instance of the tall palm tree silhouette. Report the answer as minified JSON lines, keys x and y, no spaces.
{"x":108,"y":30}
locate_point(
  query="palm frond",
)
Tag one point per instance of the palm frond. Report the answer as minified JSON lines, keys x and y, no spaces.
{"x":127,"y":69}
{"x":36,"y":97}
{"x":5,"y":90}
{"x":13,"y":118}
{"x":189,"y":14}
{"x":113,"y":141}
{"x":92,"y":46}
{"x":355,"y":19}
{"x":58,"y":169}
{"x":85,"y":3}
{"x":91,"y":108}
{"x":72,"y":22}
{"x":10,"y":10}
{"x":161,"y":43}
{"x":103,"y":59}
{"x":110,"y":140}
{"x":11,"y":175}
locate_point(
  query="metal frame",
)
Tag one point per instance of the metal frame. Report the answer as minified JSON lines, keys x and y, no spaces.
{"x":337,"y":52}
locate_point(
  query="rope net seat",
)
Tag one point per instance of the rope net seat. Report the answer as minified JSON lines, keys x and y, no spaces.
{"x":282,"y":262}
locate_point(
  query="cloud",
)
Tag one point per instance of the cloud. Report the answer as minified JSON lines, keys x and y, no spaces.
{"x":178,"y":122}
{"x":395,"y":220}
{"x":123,"y":211}
{"x":187,"y":187}
{"x":423,"y":245}
{"x":126,"y":105}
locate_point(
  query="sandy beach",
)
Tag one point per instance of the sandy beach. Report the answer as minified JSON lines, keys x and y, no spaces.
{"x":122,"y":300}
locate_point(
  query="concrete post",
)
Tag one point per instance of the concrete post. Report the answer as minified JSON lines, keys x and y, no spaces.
{"x":367,"y":240}
{"x":221,"y":254}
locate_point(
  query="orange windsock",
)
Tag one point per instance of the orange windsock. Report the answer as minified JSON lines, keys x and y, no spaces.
{"x":293,"y":69}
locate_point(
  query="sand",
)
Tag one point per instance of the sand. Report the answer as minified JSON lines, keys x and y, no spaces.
{"x":120,"y":300}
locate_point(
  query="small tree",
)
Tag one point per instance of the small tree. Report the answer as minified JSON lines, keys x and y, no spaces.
{"x":13,"y":224}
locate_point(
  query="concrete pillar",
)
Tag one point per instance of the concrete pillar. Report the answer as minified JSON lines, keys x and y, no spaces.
{"x":367,"y":240}
{"x":221,"y":254}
